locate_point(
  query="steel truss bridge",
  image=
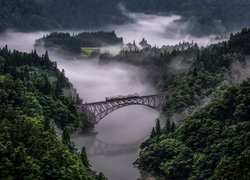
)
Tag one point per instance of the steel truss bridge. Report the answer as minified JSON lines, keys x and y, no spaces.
{"x":96,"y":111}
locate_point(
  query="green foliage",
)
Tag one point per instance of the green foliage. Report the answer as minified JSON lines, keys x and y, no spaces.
{"x":24,"y":15}
{"x":170,"y":157}
{"x":30,"y":148}
{"x":98,"y":39}
{"x":158,"y":127}
{"x":74,"y":43}
{"x":60,"y":40}
{"x":211,"y":143}
{"x":84,"y":157}
{"x":204,"y":16}
{"x":153,"y":133}
{"x":214,"y":140}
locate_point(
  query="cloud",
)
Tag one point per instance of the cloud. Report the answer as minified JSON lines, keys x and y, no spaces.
{"x":240,"y":71}
{"x":157,"y":29}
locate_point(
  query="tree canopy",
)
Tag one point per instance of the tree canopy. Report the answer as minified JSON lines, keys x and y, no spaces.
{"x":33,"y":110}
{"x":203,"y":16}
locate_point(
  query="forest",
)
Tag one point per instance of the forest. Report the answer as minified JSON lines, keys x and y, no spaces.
{"x":37,"y":120}
{"x":204,"y":129}
{"x":212,"y":143}
{"x":204,"y":16}
{"x":74,"y":43}
{"x":209,"y":106}
{"x":210,"y":139}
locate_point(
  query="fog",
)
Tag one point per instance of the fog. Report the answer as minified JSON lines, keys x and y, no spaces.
{"x":94,"y":81}
{"x":240,"y":71}
{"x":20,"y":41}
{"x":157,"y":29}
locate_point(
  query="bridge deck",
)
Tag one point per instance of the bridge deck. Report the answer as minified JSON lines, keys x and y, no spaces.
{"x":101,"y":102}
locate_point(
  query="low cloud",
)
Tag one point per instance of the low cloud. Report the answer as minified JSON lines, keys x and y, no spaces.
{"x":240,"y":71}
{"x":157,"y":29}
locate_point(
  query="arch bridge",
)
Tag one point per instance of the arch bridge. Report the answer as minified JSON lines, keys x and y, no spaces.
{"x":96,"y":111}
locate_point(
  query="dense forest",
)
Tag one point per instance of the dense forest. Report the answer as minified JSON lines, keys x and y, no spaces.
{"x":193,"y":73}
{"x":211,"y":140}
{"x":204,"y":16}
{"x":24,"y":15}
{"x":213,"y":143}
{"x":209,"y":106}
{"x":204,"y":130}
{"x":37,"y":120}
{"x":74,"y":43}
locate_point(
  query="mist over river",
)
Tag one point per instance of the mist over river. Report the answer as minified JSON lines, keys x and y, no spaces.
{"x":95,"y":81}
{"x":125,"y":126}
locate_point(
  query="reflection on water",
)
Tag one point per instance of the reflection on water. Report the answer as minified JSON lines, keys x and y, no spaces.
{"x":94,"y":82}
{"x":116,"y":146}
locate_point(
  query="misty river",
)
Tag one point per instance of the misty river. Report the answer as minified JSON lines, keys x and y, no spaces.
{"x":123,"y":127}
{"x":94,"y":81}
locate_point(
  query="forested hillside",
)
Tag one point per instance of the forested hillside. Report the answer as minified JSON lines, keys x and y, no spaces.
{"x":24,"y":15}
{"x":74,"y":43}
{"x":204,"y":16}
{"x":211,"y":144}
{"x":36,"y":120}
{"x":212,"y":137}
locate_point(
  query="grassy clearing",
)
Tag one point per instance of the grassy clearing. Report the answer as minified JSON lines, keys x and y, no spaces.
{"x":87,"y":51}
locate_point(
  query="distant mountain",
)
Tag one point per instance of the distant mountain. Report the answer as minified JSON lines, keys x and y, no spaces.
{"x":24,"y":15}
{"x":204,"y":16}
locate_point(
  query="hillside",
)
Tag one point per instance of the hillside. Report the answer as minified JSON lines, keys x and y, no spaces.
{"x":24,"y":15}
{"x":33,"y":112}
{"x":210,"y":106}
{"x":213,"y":143}
{"x":74,"y":44}
{"x":203,"y":16}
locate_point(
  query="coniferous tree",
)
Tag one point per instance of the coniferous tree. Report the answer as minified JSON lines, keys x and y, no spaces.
{"x":101,"y":176}
{"x":153,"y":133}
{"x":66,"y":137}
{"x":84,"y":157}
{"x":172,"y":127}
{"x":158,"y":127}
{"x":47,"y":86}
{"x":167,"y":126}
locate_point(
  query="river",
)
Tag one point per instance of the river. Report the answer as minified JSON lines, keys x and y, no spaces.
{"x":95,"y":81}
{"x":124,"y":127}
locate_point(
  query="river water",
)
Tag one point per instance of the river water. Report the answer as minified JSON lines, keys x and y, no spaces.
{"x":95,"y":81}
{"x":126,"y":126}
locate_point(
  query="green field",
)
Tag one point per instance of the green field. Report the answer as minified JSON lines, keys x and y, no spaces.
{"x":88,"y":51}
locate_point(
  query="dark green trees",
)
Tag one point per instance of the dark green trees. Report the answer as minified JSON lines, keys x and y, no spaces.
{"x":73,"y":43}
{"x":212,"y":142}
{"x":204,"y":17}
{"x":30,"y":113}
{"x":84,"y":157}
{"x":209,"y":144}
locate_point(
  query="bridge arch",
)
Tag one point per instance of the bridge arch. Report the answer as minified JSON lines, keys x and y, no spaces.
{"x":101,"y":147}
{"x":98,"y":110}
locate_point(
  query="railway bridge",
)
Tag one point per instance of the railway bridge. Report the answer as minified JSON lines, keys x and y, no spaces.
{"x":96,"y":111}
